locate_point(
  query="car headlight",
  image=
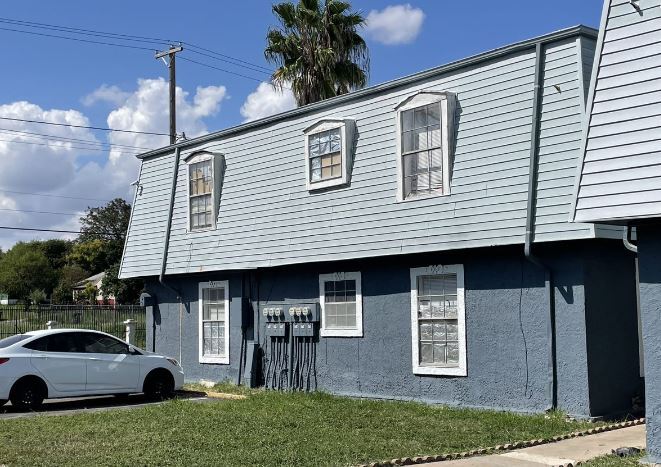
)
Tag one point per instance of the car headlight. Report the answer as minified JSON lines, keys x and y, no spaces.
{"x":173,"y":361}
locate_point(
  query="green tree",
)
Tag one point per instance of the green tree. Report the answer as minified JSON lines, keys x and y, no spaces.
{"x":23,"y":269}
{"x":38,"y":296}
{"x":70,"y":275}
{"x":56,"y":251}
{"x":126,"y":291}
{"x":317,"y":49}
{"x":91,"y":255}
{"x":107,"y":224}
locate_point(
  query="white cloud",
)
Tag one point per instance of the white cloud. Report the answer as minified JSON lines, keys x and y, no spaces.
{"x":266,"y":101}
{"x":104,"y":93}
{"x":147,"y":110}
{"x":63,"y":169}
{"x":395,"y":24}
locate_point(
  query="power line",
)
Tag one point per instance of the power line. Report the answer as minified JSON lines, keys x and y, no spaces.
{"x":83,"y":126}
{"x":86,"y":32}
{"x":89,"y":41}
{"x":46,"y":195}
{"x":249,"y":67}
{"x":144,"y":39}
{"x":51,"y":145}
{"x":75,"y":140}
{"x":222,"y":69}
{"x":193,"y":46}
{"x":41,"y":212}
{"x":40,"y":230}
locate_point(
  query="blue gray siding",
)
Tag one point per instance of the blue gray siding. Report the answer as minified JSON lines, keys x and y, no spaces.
{"x":268,"y":218}
{"x":621,"y":171}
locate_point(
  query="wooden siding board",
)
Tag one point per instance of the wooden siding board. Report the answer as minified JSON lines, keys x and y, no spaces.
{"x":267,"y":217}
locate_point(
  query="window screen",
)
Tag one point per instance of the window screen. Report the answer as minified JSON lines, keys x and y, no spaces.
{"x":201,"y":195}
{"x":325,"y":151}
{"x":213,"y":322}
{"x":438,"y":321}
{"x":422,"y":150}
{"x":340,"y":304}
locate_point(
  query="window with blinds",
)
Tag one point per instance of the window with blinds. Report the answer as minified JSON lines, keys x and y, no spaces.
{"x":438,"y":320}
{"x":200,"y":175}
{"x":328,"y":153}
{"x":214,"y":322}
{"x":422,"y":149}
{"x":425,"y":135}
{"x":325,"y":152}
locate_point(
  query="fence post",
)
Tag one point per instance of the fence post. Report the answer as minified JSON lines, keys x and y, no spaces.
{"x":51,"y":325}
{"x":130,"y":331}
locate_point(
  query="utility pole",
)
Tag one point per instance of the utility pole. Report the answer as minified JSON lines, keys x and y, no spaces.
{"x":173,"y":87}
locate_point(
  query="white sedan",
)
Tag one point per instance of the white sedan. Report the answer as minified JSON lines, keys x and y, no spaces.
{"x":56,"y":363}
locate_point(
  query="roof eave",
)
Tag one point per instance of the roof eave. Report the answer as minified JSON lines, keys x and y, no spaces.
{"x":472,"y":60}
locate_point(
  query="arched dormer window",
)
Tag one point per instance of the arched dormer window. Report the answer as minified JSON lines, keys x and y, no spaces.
{"x":204,"y":179}
{"x":425,"y":142}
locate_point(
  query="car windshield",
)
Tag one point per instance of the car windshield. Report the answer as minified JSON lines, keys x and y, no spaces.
{"x":12,"y":340}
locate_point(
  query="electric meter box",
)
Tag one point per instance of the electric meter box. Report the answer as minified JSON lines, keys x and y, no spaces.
{"x":303,"y":329}
{"x":302,"y":312}
{"x":276,"y":329}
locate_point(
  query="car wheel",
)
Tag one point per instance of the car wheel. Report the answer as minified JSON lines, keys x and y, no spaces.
{"x":159,"y":385}
{"x":27,"y":395}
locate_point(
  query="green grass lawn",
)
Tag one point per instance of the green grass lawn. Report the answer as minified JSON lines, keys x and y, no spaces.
{"x":267,"y":428}
{"x":613,"y":461}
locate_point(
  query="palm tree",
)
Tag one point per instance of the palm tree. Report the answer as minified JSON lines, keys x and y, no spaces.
{"x":317,"y":49}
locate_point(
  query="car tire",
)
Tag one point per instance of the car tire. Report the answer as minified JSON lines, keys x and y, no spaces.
{"x":27,"y":394}
{"x":159,"y":385}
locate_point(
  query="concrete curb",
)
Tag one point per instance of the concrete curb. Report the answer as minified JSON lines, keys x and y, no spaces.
{"x":224,"y":395}
{"x":502,"y":447}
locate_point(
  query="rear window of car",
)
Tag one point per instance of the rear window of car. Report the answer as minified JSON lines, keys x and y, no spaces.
{"x":12,"y":340}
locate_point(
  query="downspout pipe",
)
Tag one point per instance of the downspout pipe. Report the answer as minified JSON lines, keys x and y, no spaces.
{"x":626,"y":239}
{"x":530,"y":225}
{"x":166,"y":243}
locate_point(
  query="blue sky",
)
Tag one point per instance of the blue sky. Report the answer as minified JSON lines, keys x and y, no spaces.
{"x":55,"y":76}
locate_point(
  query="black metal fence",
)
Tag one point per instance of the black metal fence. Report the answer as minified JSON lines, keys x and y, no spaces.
{"x":16,"y":319}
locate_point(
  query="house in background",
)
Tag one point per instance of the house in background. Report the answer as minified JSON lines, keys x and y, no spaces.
{"x":620,"y":169}
{"x":95,"y":281}
{"x":5,"y":300}
{"x":410,"y":240}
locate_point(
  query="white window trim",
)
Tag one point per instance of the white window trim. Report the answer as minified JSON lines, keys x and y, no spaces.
{"x":225,"y":360}
{"x":340,"y":276}
{"x":461,"y":369}
{"x":422,"y":98}
{"x":190,"y":160}
{"x":346,"y":133}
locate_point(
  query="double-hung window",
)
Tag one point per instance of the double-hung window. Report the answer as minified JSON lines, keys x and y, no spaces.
{"x":438,"y":320}
{"x":204,"y":180}
{"x":325,"y":149}
{"x":214,"y":322}
{"x":201,"y":194}
{"x":341,"y":304}
{"x":328,"y":153}
{"x":425,"y":126}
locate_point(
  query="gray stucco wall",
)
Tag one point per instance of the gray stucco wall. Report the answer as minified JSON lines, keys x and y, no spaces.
{"x":612,"y":322}
{"x":649,"y":254}
{"x":507,"y":322}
